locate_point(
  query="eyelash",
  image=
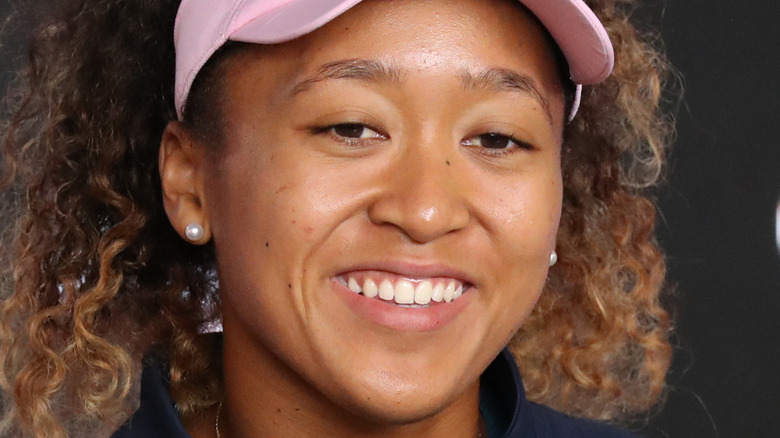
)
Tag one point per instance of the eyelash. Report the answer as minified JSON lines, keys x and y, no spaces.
{"x":520,"y":145}
{"x":329,"y":129}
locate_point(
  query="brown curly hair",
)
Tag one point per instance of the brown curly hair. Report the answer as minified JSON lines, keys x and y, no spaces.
{"x":94,"y":278}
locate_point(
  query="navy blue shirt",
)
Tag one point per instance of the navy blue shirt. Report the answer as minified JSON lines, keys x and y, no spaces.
{"x":503,"y":405}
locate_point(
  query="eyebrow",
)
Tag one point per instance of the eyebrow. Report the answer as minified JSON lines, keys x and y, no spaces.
{"x":503,"y":79}
{"x":359,"y":69}
{"x":494,"y":79}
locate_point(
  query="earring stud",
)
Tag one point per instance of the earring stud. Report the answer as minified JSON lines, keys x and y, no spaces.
{"x":553,"y":258}
{"x":194,"y":232}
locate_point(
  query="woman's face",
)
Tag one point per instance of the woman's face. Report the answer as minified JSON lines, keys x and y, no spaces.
{"x":405,"y":148}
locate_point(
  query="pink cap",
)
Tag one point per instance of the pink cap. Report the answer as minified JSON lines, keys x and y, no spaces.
{"x":203,"y":26}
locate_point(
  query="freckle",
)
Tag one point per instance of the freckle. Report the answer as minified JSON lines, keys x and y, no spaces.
{"x":297,"y":409}
{"x":279,"y":411}
{"x":294,"y":222}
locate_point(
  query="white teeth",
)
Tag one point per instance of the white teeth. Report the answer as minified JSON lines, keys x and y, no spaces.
{"x":404,"y":292}
{"x":369,"y":288}
{"x":386,"y":291}
{"x":458,"y":292}
{"x":422,"y":295}
{"x":407,"y":292}
{"x":449,"y":292}
{"x":438,"y":293}
{"x":353,"y":285}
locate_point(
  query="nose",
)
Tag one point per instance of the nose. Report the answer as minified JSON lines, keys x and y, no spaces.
{"x":422,"y":196}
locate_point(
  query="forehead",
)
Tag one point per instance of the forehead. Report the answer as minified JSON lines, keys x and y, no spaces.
{"x":417,"y":37}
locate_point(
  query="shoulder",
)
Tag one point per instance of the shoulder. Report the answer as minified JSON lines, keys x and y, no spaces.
{"x":508,"y":414}
{"x":157,"y":416}
{"x":551,"y":423}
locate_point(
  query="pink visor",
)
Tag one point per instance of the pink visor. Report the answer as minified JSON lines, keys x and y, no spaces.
{"x":203,"y":26}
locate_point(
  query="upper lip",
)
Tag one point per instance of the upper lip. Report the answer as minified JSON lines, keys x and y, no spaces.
{"x":412,"y":269}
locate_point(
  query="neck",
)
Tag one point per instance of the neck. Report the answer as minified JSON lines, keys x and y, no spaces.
{"x":265,"y":398}
{"x":271,"y":423}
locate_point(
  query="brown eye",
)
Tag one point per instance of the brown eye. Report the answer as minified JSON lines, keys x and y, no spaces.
{"x":354,"y":131}
{"x":495,"y":141}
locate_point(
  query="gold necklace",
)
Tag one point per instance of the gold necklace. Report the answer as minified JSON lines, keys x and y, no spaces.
{"x":219,"y":411}
{"x":216,"y":422}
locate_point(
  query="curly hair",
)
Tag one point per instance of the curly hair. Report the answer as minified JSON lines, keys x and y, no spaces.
{"x":94,"y":278}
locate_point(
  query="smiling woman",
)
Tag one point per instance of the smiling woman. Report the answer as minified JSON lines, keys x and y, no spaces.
{"x":377,"y":201}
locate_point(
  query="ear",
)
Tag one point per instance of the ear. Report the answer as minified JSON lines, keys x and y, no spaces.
{"x":181,"y":162}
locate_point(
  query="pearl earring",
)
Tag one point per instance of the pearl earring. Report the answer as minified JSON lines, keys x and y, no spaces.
{"x":194,"y":232}
{"x":553,"y":258}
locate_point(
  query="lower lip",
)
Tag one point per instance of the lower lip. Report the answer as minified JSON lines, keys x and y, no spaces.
{"x":432,"y":317}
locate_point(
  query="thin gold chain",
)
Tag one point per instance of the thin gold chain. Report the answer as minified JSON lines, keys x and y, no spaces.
{"x":216,"y":422}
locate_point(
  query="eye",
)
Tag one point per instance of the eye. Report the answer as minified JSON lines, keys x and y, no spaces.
{"x":497,"y":142}
{"x":354,"y":131}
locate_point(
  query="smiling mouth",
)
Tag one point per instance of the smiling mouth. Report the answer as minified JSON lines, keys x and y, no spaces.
{"x":404,"y":292}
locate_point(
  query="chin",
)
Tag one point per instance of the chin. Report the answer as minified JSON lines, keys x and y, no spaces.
{"x":386,"y":399}
{"x":397,"y":410}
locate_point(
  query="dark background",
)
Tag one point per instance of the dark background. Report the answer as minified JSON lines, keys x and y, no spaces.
{"x":717,"y":216}
{"x":717,"y":219}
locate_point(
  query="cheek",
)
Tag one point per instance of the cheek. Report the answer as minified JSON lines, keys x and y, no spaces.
{"x":522,"y":219}
{"x":525,"y":212}
{"x":266,"y":223}
{"x":273,"y":212}
{"x":254,"y":217}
